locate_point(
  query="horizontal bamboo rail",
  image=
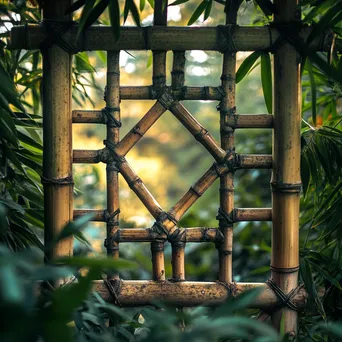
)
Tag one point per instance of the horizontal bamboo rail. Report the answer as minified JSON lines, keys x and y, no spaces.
{"x":163,"y":38}
{"x":184,"y":93}
{"x":235,"y":121}
{"x":244,"y":161}
{"x":239,"y":215}
{"x":188,"y":293}
{"x":249,"y":121}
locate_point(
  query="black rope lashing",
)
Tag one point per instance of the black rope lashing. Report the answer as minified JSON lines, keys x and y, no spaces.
{"x":114,"y":287}
{"x":224,"y":218}
{"x":147,"y":35}
{"x":177,"y":236}
{"x":110,"y":218}
{"x":158,"y":228}
{"x":225,"y":39}
{"x":110,"y":243}
{"x":57,"y":181}
{"x":114,"y":157}
{"x":110,"y":119}
{"x":205,"y":93}
{"x":55,"y":30}
{"x":284,"y":300}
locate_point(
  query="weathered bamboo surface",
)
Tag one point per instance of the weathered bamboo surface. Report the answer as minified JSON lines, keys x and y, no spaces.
{"x":57,"y":138}
{"x":188,"y":294}
{"x":181,"y":93}
{"x":233,"y":121}
{"x":244,"y":161}
{"x":249,"y":121}
{"x":239,"y":215}
{"x":97,"y":38}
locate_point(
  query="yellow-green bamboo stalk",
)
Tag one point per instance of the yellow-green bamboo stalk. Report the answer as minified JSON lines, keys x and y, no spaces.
{"x":57,"y":154}
{"x":286,"y":166}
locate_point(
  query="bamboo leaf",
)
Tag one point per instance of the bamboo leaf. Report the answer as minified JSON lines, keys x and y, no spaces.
{"x":114,"y":15}
{"x":89,"y":4}
{"x":313,"y":92}
{"x":135,"y":12}
{"x":266,"y":6}
{"x":178,"y":2}
{"x":266,"y":80}
{"x":142,"y":5}
{"x":198,"y":11}
{"x":7,"y":89}
{"x":247,"y":65}
{"x":151,"y":2}
{"x":208,"y":9}
{"x":75,"y":6}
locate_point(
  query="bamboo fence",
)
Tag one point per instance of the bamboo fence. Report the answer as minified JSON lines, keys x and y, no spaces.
{"x":281,"y":295}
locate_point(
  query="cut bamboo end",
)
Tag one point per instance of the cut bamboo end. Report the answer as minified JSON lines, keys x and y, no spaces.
{"x":249,"y":121}
{"x":189,"y":294}
{"x":101,"y":38}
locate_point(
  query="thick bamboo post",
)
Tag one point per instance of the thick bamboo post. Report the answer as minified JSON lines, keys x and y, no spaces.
{"x":57,"y":120}
{"x":159,"y":80}
{"x":112,"y":98}
{"x":227,"y":109}
{"x":286,"y":165}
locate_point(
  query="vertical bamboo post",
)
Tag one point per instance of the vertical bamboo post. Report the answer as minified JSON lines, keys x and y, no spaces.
{"x":178,"y":267}
{"x":227,"y":109}
{"x":112,"y":109}
{"x":159,"y":80}
{"x":57,"y":136}
{"x":286,"y":165}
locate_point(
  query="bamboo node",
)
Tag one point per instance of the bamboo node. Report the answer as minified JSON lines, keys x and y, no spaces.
{"x":201,"y":135}
{"x":225,"y":39}
{"x":286,"y":187}
{"x":109,"y":118}
{"x":57,"y":181}
{"x":284,"y":269}
{"x":114,"y":287}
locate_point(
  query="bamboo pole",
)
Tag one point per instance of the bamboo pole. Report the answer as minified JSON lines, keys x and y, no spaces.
{"x":234,"y":121}
{"x":286,"y":167}
{"x":197,"y":130}
{"x":178,"y":252}
{"x":101,"y":38}
{"x":183,"y":93}
{"x":57,"y":137}
{"x":159,"y":81}
{"x":89,"y":156}
{"x":112,"y":98}
{"x":227,"y":108}
{"x":189,"y":293}
{"x":249,"y":121}
{"x":138,"y":131}
{"x":239,"y":215}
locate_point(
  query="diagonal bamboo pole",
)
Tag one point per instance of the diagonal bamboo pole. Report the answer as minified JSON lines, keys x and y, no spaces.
{"x":286,"y":168}
{"x":57,"y":156}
